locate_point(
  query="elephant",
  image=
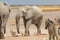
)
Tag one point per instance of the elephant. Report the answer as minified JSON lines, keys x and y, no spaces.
{"x":52,"y":30}
{"x":4,"y":13}
{"x":30,"y":15}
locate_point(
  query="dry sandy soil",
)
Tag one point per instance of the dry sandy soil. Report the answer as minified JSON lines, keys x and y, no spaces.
{"x":11,"y":26}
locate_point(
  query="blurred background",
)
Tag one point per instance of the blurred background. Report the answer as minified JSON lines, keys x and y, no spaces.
{"x":45,"y":5}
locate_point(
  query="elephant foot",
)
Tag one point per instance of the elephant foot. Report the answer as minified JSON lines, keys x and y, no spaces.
{"x":1,"y":36}
{"x":38,"y":33}
{"x":18,"y":32}
{"x":4,"y":30}
{"x":26,"y":35}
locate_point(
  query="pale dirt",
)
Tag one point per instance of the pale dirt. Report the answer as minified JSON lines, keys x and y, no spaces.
{"x":44,"y":33}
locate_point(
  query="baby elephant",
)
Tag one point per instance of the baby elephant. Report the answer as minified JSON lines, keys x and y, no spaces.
{"x":30,"y":15}
{"x":51,"y":29}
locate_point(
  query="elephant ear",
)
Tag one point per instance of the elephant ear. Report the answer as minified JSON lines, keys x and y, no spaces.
{"x":5,"y":3}
{"x":9,"y":8}
{"x":29,"y":14}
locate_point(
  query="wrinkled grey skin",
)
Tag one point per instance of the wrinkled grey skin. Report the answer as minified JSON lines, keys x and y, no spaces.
{"x":51,"y":29}
{"x":4,"y":13}
{"x":30,"y":15}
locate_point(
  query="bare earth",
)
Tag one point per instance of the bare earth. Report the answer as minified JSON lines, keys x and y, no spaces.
{"x":11,"y":26}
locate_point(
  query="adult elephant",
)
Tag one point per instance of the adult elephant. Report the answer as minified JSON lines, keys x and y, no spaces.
{"x":31,"y":15}
{"x":4,"y":13}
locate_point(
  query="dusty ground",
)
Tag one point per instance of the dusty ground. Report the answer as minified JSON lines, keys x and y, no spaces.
{"x":11,"y":26}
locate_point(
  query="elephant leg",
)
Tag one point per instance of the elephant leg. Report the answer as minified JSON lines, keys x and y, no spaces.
{"x":38,"y":24}
{"x":53,"y":37}
{"x":57,"y":37}
{"x":17,"y":24}
{"x":38,"y":29}
{"x":1,"y":32}
{"x":5,"y":25}
{"x":27,"y":23}
{"x":1,"y":29}
{"x":4,"y":21}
